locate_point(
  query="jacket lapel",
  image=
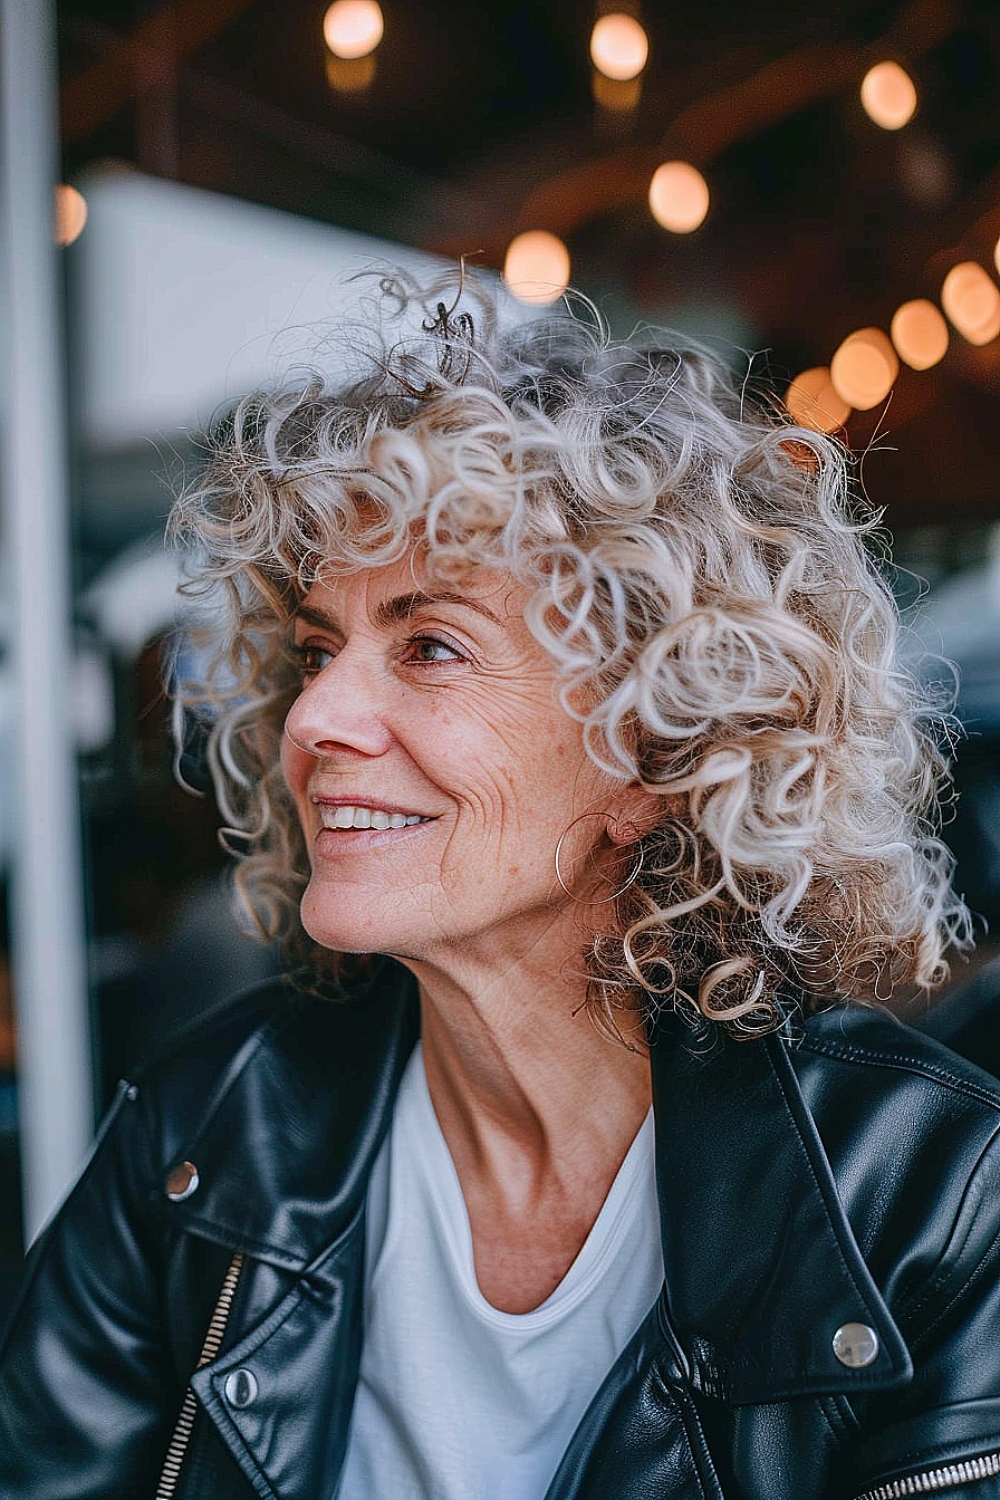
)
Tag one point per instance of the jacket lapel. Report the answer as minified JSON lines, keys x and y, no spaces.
{"x":761,"y":1265}
{"x":288,"y":1137}
{"x":305,"y":1123}
{"x":281,"y":1397}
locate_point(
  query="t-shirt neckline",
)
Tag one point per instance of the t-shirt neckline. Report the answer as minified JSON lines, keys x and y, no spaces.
{"x":445,"y":1192}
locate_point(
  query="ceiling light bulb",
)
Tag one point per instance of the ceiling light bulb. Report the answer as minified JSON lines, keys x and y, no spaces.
{"x":678,"y":197}
{"x":536,"y":266}
{"x":864,"y":368}
{"x":71,"y":214}
{"x":353,"y":28}
{"x":813,"y":402}
{"x":619,"y":46}
{"x":972,"y":302}
{"x":889,"y":95}
{"x":919,"y":333}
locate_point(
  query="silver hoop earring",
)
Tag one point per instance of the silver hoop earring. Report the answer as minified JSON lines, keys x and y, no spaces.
{"x":604,"y":900}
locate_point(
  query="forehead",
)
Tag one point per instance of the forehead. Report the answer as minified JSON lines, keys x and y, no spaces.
{"x":398,"y":590}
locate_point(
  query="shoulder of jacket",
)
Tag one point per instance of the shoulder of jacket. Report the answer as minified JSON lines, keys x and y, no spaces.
{"x":858,"y":1041}
{"x":211,"y":1037}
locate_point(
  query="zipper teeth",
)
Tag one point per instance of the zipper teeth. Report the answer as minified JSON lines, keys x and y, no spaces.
{"x":177,"y":1451}
{"x":217,"y":1325}
{"x":178,"y":1448}
{"x":931,"y":1480}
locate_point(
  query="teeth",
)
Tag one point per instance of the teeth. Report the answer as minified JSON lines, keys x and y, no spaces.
{"x":366,"y":817}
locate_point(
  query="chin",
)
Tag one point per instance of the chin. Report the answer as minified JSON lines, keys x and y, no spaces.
{"x":336,"y":926}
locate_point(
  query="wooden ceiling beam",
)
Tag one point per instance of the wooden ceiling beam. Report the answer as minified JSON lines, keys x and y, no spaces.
{"x":148,"y":55}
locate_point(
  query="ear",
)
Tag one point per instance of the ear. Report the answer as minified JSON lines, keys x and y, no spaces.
{"x":637,"y":813}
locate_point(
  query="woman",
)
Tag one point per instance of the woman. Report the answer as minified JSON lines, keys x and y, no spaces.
{"x":558,"y":719}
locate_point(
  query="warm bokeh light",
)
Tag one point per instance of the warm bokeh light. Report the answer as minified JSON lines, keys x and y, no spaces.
{"x":919,"y":333}
{"x":536,"y":266}
{"x":71,"y":214}
{"x":864,"y":368}
{"x":678,"y":197}
{"x":996,"y":255}
{"x":889,"y":95}
{"x":813,"y":402}
{"x":972,"y":302}
{"x":619,"y":46}
{"x":353,"y":28}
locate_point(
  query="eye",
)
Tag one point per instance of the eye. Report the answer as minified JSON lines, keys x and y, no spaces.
{"x":428,"y":650}
{"x":311,"y":659}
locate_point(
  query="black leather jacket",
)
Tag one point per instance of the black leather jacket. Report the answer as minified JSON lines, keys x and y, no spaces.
{"x":852,"y":1177}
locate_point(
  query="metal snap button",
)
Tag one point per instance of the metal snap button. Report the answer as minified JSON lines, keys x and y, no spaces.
{"x":181,"y":1182}
{"x":241,"y":1388}
{"x":855,"y":1345}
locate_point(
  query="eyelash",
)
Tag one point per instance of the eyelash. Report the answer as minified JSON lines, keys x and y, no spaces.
{"x":304,"y":654}
{"x":307,"y":652}
{"x":438,"y":641}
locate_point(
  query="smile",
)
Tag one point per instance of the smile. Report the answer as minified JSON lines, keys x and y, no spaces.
{"x":345,"y":816}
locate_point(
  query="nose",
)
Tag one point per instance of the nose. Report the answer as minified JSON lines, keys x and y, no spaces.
{"x":339,"y":712}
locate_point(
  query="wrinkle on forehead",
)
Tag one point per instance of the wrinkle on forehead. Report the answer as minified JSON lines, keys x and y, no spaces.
{"x":506,"y":594}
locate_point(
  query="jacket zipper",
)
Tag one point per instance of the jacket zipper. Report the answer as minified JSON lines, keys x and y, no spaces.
{"x":185,"y":1421}
{"x":931,"y":1480}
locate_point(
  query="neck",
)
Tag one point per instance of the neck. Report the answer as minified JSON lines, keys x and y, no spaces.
{"x":538,"y":1108}
{"x":512,"y":1037}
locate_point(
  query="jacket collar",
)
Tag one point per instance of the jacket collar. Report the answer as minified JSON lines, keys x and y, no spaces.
{"x":761,"y":1264}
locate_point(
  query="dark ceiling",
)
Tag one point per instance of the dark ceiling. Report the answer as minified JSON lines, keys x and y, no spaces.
{"x":481,"y":121}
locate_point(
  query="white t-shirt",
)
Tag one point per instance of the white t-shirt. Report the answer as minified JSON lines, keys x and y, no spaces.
{"x":457,"y":1400}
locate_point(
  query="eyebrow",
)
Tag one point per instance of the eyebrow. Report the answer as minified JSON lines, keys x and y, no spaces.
{"x":400,"y":608}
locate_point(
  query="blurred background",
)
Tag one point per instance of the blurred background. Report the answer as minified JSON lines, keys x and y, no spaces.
{"x":816,"y":193}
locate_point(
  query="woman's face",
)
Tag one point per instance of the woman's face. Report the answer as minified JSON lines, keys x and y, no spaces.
{"x":434,"y":771}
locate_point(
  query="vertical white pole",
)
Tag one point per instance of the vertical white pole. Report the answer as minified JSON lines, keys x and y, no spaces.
{"x":49,"y":953}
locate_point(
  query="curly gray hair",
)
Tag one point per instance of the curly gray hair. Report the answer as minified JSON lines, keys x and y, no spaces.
{"x":698,"y":570}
